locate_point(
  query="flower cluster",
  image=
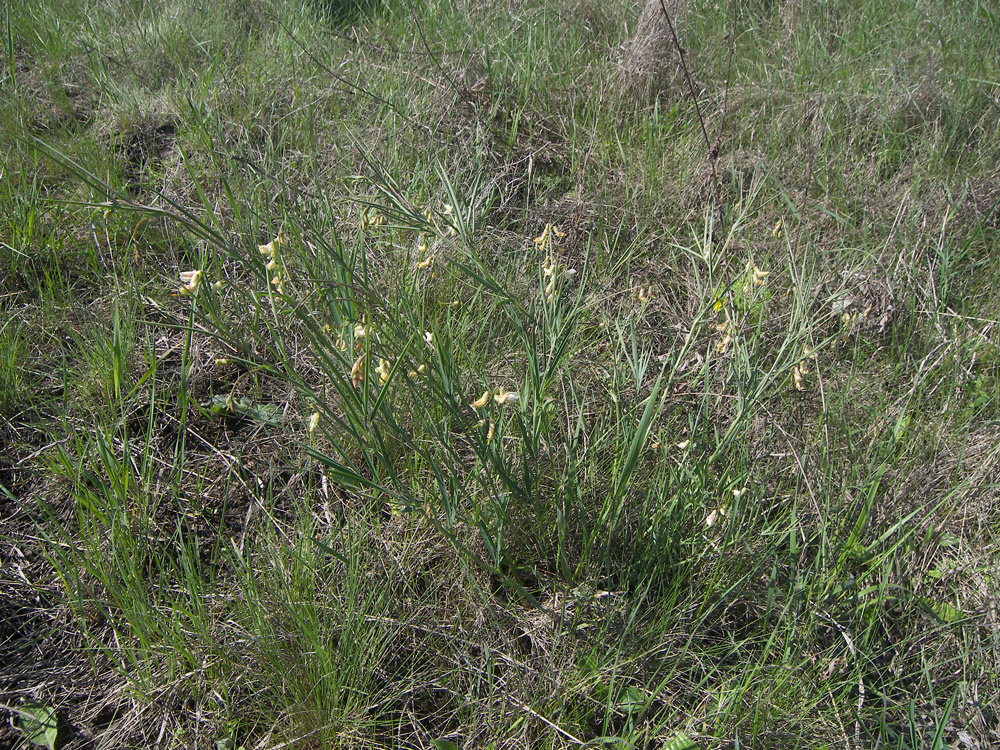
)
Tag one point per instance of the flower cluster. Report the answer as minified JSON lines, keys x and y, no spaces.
{"x":271,"y":252}
{"x":189,"y":282}
{"x":755,"y":278}
{"x":500,"y":396}
{"x":371,"y":218}
{"x":725,"y":331}
{"x":551,"y":269}
{"x":802,"y":369}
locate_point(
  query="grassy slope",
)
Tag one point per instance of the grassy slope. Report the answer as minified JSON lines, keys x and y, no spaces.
{"x":173,"y":575}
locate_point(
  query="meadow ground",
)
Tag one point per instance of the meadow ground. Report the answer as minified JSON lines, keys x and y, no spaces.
{"x":508,"y":399}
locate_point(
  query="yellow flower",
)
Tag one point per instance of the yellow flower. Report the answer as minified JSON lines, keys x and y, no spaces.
{"x":190,"y":281}
{"x":371,"y":218}
{"x":382,"y":370}
{"x":685,"y":444}
{"x":218,"y":284}
{"x":483,"y":400}
{"x":418,"y":371}
{"x":426,"y":262}
{"x":429,"y":338}
{"x":489,"y":433}
{"x":715,"y":515}
{"x":800,"y":384}
{"x":776,"y":232}
{"x":313,"y":422}
{"x":503,"y":396}
{"x":358,"y":371}
{"x":273,"y":246}
{"x":759,"y":276}
{"x":722,"y":345}
{"x":360,"y":330}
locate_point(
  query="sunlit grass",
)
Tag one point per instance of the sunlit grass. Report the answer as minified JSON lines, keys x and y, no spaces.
{"x":370,"y":382}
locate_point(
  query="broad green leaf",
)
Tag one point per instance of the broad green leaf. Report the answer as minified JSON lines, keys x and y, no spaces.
{"x":680,"y":741}
{"x":943,"y":611}
{"x":39,"y":724}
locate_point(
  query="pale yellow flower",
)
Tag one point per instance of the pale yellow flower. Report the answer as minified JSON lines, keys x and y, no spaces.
{"x":685,"y":444}
{"x":716,"y":515}
{"x":313,"y":422}
{"x":429,"y":338}
{"x":426,"y":262}
{"x":358,"y":371}
{"x":218,"y":284}
{"x":360,"y":330}
{"x":489,"y":433}
{"x":503,"y":396}
{"x":273,"y":246}
{"x":190,"y":281}
{"x":776,"y":232}
{"x":382,"y":370}
{"x":482,"y":401}
{"x":759,"y":276}
{"x":800,"y":384}
{"x":371,"y":218}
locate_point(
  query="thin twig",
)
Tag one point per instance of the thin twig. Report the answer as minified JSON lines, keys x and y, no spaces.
{"x":356,"y":87}
{"x":697,"y":109}
{"x":434,"y":58}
